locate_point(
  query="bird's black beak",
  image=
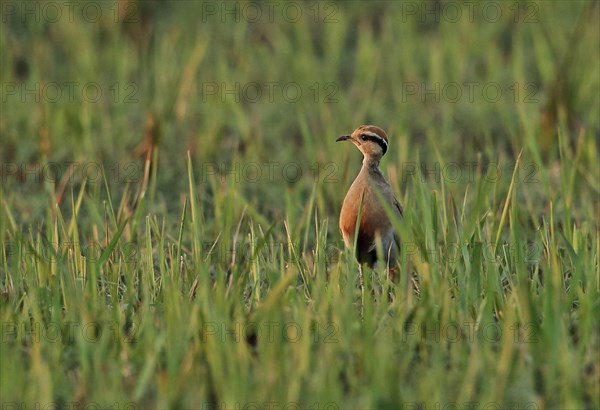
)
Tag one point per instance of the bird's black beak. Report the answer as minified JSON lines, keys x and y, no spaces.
{"x":343,"y":138}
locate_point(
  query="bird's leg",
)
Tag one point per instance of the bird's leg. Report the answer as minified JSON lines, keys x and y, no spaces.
{"x":391,"y":269}
{"x":392,"y":273}
{"x":361,"y":278}
{"x":392,"y":276}
{"x":361,"y":281}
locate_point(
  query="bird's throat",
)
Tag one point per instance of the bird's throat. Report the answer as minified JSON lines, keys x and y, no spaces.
{"x":371,"y":162}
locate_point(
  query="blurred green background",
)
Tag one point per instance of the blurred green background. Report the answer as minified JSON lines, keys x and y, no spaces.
{"x":239,"y":83}
{"x":103,"y":101}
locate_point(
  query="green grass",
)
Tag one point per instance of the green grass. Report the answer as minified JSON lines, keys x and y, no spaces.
{"x":175,"y":245}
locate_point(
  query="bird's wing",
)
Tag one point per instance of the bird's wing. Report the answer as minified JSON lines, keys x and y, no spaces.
{"x":400,"y":213}
{"x":398,"y":207}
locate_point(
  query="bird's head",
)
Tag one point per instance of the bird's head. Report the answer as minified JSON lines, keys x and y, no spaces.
{"x":370,"y":140}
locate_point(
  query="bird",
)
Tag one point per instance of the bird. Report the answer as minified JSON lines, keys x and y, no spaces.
{"x":374,"y":222}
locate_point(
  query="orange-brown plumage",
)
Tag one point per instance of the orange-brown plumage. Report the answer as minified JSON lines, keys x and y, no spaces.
{"x":374,"y":222}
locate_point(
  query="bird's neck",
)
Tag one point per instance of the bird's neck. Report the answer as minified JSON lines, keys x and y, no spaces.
{"x":371,"y":163}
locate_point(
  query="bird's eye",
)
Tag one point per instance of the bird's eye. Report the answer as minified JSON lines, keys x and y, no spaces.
{"x":363,"y":137}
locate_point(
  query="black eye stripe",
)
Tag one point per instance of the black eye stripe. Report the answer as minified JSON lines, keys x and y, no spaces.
{"x":382,"y":143}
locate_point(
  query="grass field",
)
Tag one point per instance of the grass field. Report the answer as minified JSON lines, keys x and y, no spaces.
{"x":170,"y":189}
